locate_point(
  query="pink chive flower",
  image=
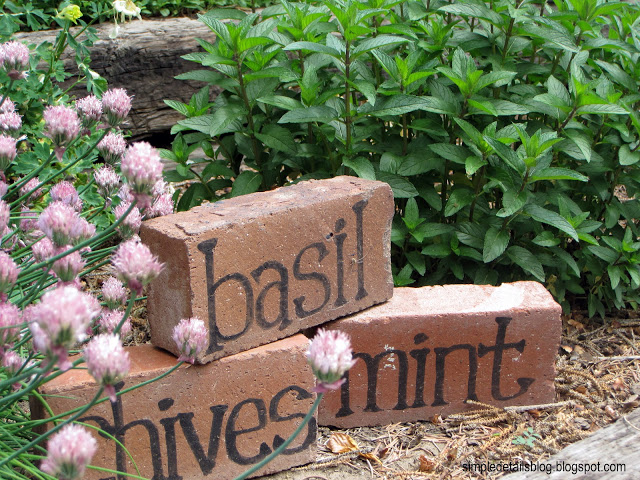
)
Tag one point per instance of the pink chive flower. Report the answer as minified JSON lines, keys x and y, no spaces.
{"x":5,"y":215}
{"x":107,"y":181}
{"x":113,"y":293}
{"x":107,"y":361}
{"x":116,"y":105}
{"x":130,"y":226}
{"x":135,"y":265}
{"x":125,"y":193}
{"x":15,"y":59}
{"x":62,"y":224}
{"x":69,"y":452}
{"x":28,"y":220}
{"x":31,"y":186}
{"x":330,"y":357}
{"x":60,"y":320}
{"x":161,"y":206}
{"x":112,"y":147}
{"x":90,"y":110}
{"x":68,"y":267}
{"x":8,"y":151}
{"x":8,"y":274}
{"x":43,"y":250}
{"x":66,"y":193}
{"x":11,"y":123}
{"x":191,"y":337}
{"x":62,"y":126}
{"x":7,"y":106}
{"x":13,"y":363}
{"x":10,"y":324}
{"x":142,"y":168}
{"x":110,"y":319}
{"x":3,"y":188}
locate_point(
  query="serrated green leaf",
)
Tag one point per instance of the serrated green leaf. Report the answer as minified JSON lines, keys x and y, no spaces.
{"x":280,"y":101}
{"x":546,"y":239}
{"x":581,"y":141}
{"x":219,"y":28}
{"x":551,"y":218}
{"x":417,"y":261}
{"x":178,"y":106}
{"x":512,"y":201}
{"x":511,"y":158}
{"x":397,"y":105}
{"x":411,"y":217}
{"x":605,"y":253}
{"x":484,"y":105}
{"x":277,"y":138}
{"x":473,"y":164}
{"x":247,"y":182}
{"x":208,"y":76}
{"x":376,"y":42}
{"x":403,"y":278}
{"x":319,"y":113}
{"x":437,"y":250}
{"x":215,"y":169}
{"x":429,"y":230}
{"x":601,"y":109}
{"x":368,"y":89}
{"x":313,"y":47}
{"x":245,"y":44}
{"x":389,"y":162}
{"x":502,"y":77}
{"x":362,"y":166}
{"x":626,"y":157}
{"x":459,"y":198}
{"x":495,"y":243}
{"x":614,"y":275}
{"x":618,"y":75}
{"x":192,"y":197}
{"x":568,"y":259}
{"x":473,"y":10}
{"x":558,"y":36}
{"x":527,"y":261}
{"x":554,"y":173}
{"x":201,"y":123}
{"x":455,"y":153}
{"x":402,"y":188}
{"x":415,"y":164}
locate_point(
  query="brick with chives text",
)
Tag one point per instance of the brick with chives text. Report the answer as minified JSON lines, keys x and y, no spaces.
{"x":264,"y":266}
{"x":200,"y":422}
{"x":428,"y":350}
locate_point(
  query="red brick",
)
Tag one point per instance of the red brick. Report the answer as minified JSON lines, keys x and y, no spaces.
{"x":276,"y":262}
{"x":234,"y":408}
{"x":418,"y":325}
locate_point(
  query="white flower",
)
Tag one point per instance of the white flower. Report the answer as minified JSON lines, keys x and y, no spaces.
{"x":126,"y":8}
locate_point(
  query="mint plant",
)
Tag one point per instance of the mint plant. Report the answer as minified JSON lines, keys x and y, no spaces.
{"x":508,"y":130}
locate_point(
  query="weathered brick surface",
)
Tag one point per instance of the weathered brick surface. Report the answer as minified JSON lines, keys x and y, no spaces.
{"x":429,"y":349}
{"x":201,"y":422}
{"x":267,"y":265}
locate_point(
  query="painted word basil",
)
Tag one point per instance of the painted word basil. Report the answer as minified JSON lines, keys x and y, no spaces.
{"x":264,"y":266}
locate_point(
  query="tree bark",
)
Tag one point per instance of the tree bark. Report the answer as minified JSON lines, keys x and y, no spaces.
{"x":144,"y":59}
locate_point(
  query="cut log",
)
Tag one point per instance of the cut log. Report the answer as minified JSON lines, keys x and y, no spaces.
{"x":612,"y":453}
{"x":144,"y":59}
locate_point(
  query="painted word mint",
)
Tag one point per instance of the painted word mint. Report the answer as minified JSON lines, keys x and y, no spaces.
{"x":264,"y":266}
{"x":429,"y":349}
{"x":201,"y":422}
